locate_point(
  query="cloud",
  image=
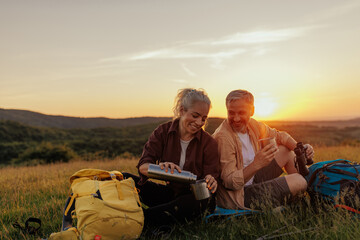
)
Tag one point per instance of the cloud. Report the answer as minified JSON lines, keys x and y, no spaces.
{"x":262,"y":36}
{"x":168,"y":54}
{"x":218,"y":58}
{"x":216,"y":51}
{"x":186,"y":54}
{"x":261,"y":51}
{"x":188,"y":71}
{"x":162,"y":53}
{"x":215,"y":57}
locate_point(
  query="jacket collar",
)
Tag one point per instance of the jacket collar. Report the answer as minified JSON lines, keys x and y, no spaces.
{"x":229,"y":128}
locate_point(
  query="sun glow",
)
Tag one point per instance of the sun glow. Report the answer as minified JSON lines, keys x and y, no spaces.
{"x":265,"y":106}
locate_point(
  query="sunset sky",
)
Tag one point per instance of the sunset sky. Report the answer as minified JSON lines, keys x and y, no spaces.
{"x":128,"y":58}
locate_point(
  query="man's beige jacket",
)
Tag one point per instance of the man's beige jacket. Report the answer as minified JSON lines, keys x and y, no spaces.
{"x":230,"y":192}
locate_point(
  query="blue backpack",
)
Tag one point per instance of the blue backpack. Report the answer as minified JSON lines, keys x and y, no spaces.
{"x":337,"y":182}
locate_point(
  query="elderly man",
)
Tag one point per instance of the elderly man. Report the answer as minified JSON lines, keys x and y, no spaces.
{"x":250,"y":176}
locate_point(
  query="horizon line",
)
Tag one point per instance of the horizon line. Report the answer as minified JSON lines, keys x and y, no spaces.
{"x":259,"y":119}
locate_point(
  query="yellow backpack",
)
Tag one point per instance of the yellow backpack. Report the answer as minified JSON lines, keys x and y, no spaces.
{"x":106,"y":206}
{"x":69,"y":234}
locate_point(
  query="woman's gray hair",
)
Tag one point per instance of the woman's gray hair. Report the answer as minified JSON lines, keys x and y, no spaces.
{"x":186,"y":98}
{"x":240,"y":94}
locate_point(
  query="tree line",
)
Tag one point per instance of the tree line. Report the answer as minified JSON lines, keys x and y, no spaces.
{"x":22,"y":144}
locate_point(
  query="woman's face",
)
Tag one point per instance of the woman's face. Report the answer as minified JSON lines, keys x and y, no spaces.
{"x":193,"y":119}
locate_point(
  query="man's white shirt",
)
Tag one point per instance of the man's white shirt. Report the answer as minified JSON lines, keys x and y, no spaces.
{"x":248,"y":152}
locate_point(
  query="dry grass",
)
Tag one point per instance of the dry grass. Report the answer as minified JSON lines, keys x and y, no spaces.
{"x":335,"y":152}
{"x":41,"y":191}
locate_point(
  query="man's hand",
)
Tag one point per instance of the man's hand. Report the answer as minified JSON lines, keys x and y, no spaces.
{"x":265,"y":155}
{"x":172,"y":166}
{"x":309,"y":151}
{"x":211,"y":183}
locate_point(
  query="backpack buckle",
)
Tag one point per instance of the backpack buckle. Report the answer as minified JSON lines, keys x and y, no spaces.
{"x":113,"y":176}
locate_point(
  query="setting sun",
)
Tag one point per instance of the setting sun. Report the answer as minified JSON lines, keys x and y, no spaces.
{"x":265,"y":106}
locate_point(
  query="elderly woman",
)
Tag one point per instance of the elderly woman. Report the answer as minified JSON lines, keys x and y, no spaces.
{"x":181,"y":144}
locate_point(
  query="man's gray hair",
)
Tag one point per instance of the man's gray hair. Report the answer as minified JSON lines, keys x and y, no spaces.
{"x":187,"y":97}
{"x":240,"y":94}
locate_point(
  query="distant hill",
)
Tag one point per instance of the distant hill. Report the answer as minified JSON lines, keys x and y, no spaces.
{"x":36,"y":119}
{"x":335,"y":123}
{"x":42,"y":120}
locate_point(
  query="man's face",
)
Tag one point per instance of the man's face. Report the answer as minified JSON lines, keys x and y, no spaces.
{"x":239,"y":113}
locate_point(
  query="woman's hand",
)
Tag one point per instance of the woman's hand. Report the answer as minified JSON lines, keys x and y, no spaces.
{"x":211,"y":183}
{"x":172,"y":166}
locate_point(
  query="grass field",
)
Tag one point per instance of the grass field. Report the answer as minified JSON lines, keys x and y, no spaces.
{"x":40,"y":191}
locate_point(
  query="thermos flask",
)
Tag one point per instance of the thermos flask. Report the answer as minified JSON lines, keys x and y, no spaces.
{"x":154,"y":171}
{"x":198,"y":187}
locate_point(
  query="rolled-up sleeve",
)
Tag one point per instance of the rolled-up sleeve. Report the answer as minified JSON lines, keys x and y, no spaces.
{"x":232,"y":177}
{"x":282,"y":138}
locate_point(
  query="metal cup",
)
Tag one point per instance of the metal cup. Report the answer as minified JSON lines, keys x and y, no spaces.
{"x":200,"y":190}
{"x":266,"y":141}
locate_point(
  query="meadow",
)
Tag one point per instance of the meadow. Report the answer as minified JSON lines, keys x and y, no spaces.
{"x":40,"y":191}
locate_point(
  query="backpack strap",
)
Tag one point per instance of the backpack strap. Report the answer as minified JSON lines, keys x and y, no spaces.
{"x":347,"y":208}
{"x":341,"y":171}
{"x":342,"y":181}
{"x":117,"y":183}
{"x":32,"y":229}
{"x":74,"y":196}
{"x":121,"y":197}
{"x":115,"y":176}
{"x":28,"y":229}
{"x":70,"y":204}
{"x":313,"y":175}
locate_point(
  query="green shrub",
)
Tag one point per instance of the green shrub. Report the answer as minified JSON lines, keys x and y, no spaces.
{"x":46,"y":152}
{"x":11,"y":150}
